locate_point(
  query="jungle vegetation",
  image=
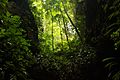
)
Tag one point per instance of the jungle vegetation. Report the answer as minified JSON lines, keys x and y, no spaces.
{"x":59,"y":39}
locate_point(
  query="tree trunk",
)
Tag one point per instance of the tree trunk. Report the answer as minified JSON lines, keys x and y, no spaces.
{"x":104,"y":46}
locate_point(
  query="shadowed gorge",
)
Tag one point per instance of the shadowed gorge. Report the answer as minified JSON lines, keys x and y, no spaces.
{"x":59,"y":40}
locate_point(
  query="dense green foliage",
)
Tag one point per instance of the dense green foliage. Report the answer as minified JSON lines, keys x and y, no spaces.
{"x":15,"y":55}
{"x":78,"y":40}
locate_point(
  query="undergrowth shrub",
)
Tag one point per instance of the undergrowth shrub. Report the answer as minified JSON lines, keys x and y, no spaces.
{"x":15,"y":55}
{"x":69,"y":65}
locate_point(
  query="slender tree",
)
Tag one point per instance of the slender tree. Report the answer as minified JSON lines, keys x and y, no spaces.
{"x":76,"y":29}
{"x":61,"y":35}
{"x":52,"y":31}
